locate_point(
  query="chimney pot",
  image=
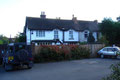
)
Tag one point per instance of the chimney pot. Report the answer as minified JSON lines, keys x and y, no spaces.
{"x":43,"y":16}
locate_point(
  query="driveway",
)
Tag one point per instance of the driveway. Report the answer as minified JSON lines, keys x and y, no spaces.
{"x":86,"y":69}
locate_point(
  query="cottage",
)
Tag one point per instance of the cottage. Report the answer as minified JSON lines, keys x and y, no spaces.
{"x":58,"y":31}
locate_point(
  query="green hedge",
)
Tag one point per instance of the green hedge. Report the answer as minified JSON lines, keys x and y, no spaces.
{"x":59,"y":53}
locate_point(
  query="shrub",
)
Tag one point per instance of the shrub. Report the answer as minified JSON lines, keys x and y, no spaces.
{"x":59,"y":53}
{"x":80,"y":52}
{"x":115,"y":75}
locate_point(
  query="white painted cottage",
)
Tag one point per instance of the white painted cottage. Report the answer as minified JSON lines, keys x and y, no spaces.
{"x":57,"y":31}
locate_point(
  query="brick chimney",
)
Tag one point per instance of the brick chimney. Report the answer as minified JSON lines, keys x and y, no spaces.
{"x":74,"y":19}
{"x":43,"y":16}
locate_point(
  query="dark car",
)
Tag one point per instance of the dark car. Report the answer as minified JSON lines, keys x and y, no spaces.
{"x":17,"y":54}
{"x":0,"y":58}
{"x":2,"y":48}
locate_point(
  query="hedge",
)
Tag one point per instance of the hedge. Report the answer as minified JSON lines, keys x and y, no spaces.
{"x":58,"y":53}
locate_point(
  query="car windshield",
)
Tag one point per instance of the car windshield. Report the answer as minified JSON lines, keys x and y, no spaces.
{"x":19,"y":47}
{"x":11,"y":49}
{"x":118,"y":49}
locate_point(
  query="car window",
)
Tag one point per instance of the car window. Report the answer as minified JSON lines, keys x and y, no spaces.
{"x":105,"y":49}
{"x":115,"y":49}
{"x":110,"y":49}
{"x":19,"y":47}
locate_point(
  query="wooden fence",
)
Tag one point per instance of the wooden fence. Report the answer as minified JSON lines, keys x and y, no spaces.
{"x":93,"y":48}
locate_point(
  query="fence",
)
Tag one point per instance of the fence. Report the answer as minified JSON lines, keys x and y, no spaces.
{"x":92,"y":47}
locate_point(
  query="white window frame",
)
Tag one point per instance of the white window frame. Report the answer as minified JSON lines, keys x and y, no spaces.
{"x":56,"y":34}
{"x":71,"y":35}
{"x":40,"y":33}
{"x":86,"y":33}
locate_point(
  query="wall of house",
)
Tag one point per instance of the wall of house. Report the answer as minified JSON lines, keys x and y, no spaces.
{"x":49,"y":35}
{"x":82,"y":35}
{"x":28,"y":36}
{"x":75,"y":36}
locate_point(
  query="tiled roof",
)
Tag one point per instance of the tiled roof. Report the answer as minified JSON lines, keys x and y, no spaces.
{"x":50,"y":24}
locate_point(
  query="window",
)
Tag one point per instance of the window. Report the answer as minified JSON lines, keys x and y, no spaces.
{"x":31,"y":32}
{"x":40,"y":33}
{"x":110,"y":49}
{"x":37,"y":33}
{"x":86,"y":34}
{"x":70,"y":34}
{"x":56,"y":34}
{"x":105,"y":49}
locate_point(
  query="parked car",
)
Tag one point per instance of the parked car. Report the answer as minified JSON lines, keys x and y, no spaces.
{"x":1,"y":58}
{"x":17,"y":54}
{"x":109,"y":51}
{"x":2,"y":48}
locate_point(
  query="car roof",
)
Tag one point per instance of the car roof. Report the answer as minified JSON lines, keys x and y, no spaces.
{"x":12,"y":44}
{"x":112,"y":47}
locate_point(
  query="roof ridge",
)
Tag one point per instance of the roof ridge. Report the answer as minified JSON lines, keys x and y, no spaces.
{"x":59,"y":19}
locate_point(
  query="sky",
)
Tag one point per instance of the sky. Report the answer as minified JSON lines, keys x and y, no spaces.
{"x":13,"y":12}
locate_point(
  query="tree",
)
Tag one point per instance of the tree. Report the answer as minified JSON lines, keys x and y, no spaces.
{"x":103,"y":40}
{"x":3,"y":40}
{"x":20,"y":38}
{"x":91,"y":39}
{"x":111,"y":30}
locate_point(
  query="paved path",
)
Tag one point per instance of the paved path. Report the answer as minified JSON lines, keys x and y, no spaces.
{"x":86,"y":69}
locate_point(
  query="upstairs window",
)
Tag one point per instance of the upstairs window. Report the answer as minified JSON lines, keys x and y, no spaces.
{"x":56,"y":34}
{"x":40,"y":33}
{"x":71,"y":34}
{"x":86,"y":34}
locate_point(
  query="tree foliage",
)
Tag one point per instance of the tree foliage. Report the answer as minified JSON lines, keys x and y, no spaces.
{"x":115,"y":75}
{"x":20,"y":38}
{"x":3,"y":39}
{"x":111,"y":30}
{"x":103,"y":40}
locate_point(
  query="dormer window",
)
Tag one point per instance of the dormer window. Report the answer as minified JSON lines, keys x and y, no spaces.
{"x":86,"y":34}
{"x":71,"y":35}
{"x":56,"y":34}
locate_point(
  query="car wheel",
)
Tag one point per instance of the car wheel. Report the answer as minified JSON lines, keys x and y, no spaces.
{"x":29,"y":67}
{"x":118,"y":57}
{"x":8,"y":67}
{"x":115,"y":57}
{"x":102,"y":56}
